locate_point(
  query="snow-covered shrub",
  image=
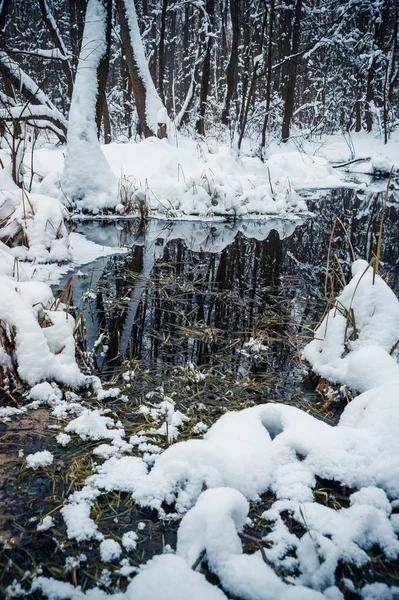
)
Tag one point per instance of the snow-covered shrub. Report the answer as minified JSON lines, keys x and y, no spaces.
{"x":33,"y":226}
{"x":355,"y":341}
{"x":36,"y":336}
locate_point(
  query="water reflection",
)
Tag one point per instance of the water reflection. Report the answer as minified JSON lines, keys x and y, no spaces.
{"x":197,"y":291}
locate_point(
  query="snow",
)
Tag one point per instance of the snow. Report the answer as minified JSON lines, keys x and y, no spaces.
{"x":32,"y":112}
{"x":39,"y":459}
{"x":45,"y":524}
{"x":36,"y":223}
{"x":362,"y":363}
{"x":92,"y":425}
{"x":87,"y":181}
{"x":28,"y":83}
{"x":268,"y":447}
{"x":129,"y":540}
{"x":63,"y":439}
{"x":78,"y":522}
{"x":6,"y":412}
{"x":168,"y":577}
{"x":110,"y":550}
{"x":208,"y":482}
{"x":41,"y":352}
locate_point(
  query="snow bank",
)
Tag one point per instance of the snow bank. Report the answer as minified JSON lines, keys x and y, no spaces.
{"x":364,"y":152}
{"x":212,"y":526}
{"x":191,"y":178}
{"x":354,"y":341}
{"x":35,"y":338}
{"x":195,"y":179}
{"x":303,"y":171}
{"x":33,"y":224}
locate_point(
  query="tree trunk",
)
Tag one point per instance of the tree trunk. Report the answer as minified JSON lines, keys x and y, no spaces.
{"x":369,"y":98}
{"x":292,"y":67}
{"x":77,"y":11}
{"x":88,"y":181}
{"x":210,"y":11}
{"x":58,"y":43}
{"x":269,"y":74}
{"x":161,"y":55}
{"x":150,"y":109}
{"x":102,"y":73}
{"x":231,"y":73}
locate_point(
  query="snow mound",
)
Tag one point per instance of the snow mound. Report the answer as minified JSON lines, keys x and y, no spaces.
{"x":353,"y":343}
{"x":303,"y":171}
{"x":39,"y":459}
{"x":193,"y":179}
{"x":35,"y":338}
{"x":33,"y":224}
{"x":212,"y":526}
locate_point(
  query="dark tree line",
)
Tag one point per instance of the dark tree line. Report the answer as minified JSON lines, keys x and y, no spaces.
{"x":262,"y":68}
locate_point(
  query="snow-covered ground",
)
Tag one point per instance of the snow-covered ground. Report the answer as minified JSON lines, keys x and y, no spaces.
{"x":180,"y":177}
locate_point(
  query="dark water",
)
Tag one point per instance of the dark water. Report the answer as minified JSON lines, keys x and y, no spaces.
{"x":198,"y":291}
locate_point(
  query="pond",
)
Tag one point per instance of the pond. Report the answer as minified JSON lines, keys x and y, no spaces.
{"x":211,"y":314}
{"x":208,"y":293}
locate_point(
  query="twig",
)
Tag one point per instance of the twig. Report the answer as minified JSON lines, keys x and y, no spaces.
{"x":199,"y":559}
{"x":260,"y":544}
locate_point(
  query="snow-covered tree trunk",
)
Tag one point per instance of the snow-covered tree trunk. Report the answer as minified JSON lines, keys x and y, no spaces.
{"x":88,"y":181}
{"x":150,"y":109}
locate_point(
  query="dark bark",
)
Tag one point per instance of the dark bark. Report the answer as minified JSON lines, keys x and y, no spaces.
{"x":292,"y":68}
{"x":8,"y":88}
{"x":126,"y":94}
{"x":32,"y":119}
{"x":200,"y":126}
{"x":369,"y":97}
{"x":106,"y":123}
{"x":249,"y":99}
{"x":269,"y":73}
{"x":161,"y":52}
{"x":3,"y":21}
{"x":138,"y":87}
{"x":77,"y":11}
{"x":102,"y":71}
{"x":232,"y":67}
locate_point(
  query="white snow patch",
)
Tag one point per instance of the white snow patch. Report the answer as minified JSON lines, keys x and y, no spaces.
{"x":110,"y":550}
{"x":39,"y":459}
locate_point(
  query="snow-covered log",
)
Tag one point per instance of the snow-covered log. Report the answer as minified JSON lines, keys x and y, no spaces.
{"x":88,"y":181}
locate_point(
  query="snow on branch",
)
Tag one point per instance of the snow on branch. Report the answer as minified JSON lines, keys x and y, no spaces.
{"x":22,"y":81}
{"x":47,"y":53}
